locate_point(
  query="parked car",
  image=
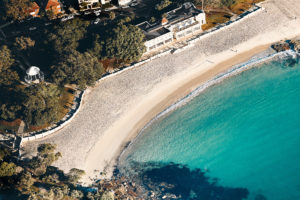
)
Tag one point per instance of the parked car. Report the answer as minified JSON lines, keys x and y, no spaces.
{"x":97,"y":12}
{"x":97,"y":21}
{"x":87,"y":12}
{"x":67,"y":18}
{"x":134,"y":3}
{"x":32,"y":28}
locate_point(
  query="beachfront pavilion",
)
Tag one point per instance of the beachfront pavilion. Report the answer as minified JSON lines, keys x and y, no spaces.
{"x":34,"y":75}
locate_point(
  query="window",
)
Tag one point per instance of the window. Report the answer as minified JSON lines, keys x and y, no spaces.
{"x":159,"y":44}
{"x":152,"y":47}
{"x":196,"y":28}
{"x":180,"y":35}
{"x":167,"y":41}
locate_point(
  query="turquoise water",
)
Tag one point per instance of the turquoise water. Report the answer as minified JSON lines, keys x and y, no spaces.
{"x":244,"y":131}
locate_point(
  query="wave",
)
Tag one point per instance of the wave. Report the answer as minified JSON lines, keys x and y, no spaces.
{"x":236,"y":69}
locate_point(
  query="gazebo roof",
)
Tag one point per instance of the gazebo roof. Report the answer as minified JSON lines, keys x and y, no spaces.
{"x":32,"y":71}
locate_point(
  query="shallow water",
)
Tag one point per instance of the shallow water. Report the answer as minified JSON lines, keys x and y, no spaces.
{"x":245,"y":132}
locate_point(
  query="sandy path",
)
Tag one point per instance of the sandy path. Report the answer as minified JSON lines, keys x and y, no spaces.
{"x":119,"y":106}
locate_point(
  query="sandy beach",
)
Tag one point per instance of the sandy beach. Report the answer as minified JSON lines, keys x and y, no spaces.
{"x":118,"y":107}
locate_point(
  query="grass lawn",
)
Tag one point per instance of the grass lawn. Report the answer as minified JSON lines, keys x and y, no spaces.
{"x":242,"y":5}
{"x":214,"y":18}
{"x":10,"y":126}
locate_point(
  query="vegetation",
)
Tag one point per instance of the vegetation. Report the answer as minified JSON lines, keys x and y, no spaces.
{"x":163,"y":4}
{"x":82,"y":69}
{"x":24,"y":43}
{"x":112,"y":15}
{"x":7,"y":74}
{"x":35,"y":178}
{"x":227,"y":3}
{"x":125,"y":44}
{"x":40,"y":104}
{"x":17,"y":9}
{"x":65,"y":37}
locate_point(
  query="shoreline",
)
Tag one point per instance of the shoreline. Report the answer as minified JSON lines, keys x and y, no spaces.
{"x":234,"y":70}
{"x":137,"y":121}
{"x":115,"y":110}
{"x":166,"y":101}
{"x":181,"y":94}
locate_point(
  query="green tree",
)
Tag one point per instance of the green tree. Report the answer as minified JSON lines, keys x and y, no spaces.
{"x":227,"y":3}
{"x":75,"y":175}
{"x":107,"y":196}
{"x":23,"y":43}
{"x":163,"y":4}
{"x":76,"y":194}
{"x":41,"y":104}
{"x":25,"y":180}
{"x":81,"y":69}
{"x":9,"y":112}
{"x":45,"y":157}
{"x":66,"y":35}
{"x":112,"y":15}
{"x":17,"y":9}
{"x":97,"y":48}
{"x":125,"y":44}
{"x":7,"y":75}
{"x":7,"y":169}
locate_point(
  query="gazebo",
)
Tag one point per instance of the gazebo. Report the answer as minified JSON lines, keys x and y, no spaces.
{"x":34,"y":75}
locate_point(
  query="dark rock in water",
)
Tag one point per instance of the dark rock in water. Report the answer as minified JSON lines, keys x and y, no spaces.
{"x":282,"y":46}
{"x":174,"y":181}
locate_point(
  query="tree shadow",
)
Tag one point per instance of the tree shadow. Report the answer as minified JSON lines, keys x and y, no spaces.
{"x":184,"y":182}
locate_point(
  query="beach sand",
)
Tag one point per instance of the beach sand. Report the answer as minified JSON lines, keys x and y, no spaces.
{"x":116,"y":109}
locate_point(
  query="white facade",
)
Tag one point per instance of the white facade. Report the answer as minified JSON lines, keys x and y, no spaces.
{"x":124,"y":2}
{"x":105,"y":2}
{"x":180,"y":22}
{"x":34,"y":75}
{"x":88,"y":4}
{"x":88,"y":1}
{"x":159,"y":41}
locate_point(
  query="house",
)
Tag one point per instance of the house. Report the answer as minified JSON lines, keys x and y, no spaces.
{"x":156,"y":35}
{"x":54,"y":7}
{"x":124,"y":2}
{"x":105,"y":2}
{"x":183,"y":21}
{"x":34,"y":10}
{"x":89,"y":4}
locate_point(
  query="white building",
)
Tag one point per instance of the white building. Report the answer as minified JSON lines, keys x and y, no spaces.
{"x":34,"y":75}
{"x":124,"y":2}
{"x":89,"y":4}
{"x":104,"y":1}
{"x":180,"y":22}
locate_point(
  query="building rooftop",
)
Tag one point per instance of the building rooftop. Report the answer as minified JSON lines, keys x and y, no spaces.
{"x":187,"y":10}
{"x":151,"y":31}
{"x":52,"y":3}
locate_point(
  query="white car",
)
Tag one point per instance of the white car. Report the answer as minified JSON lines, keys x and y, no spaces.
{"x":97,"y":21}
{"x":97,"y":12}
{"x":64,"y":19}
{"x":70,"y":16}
{"x":67,"y":18}
{"x":32,"y":28}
